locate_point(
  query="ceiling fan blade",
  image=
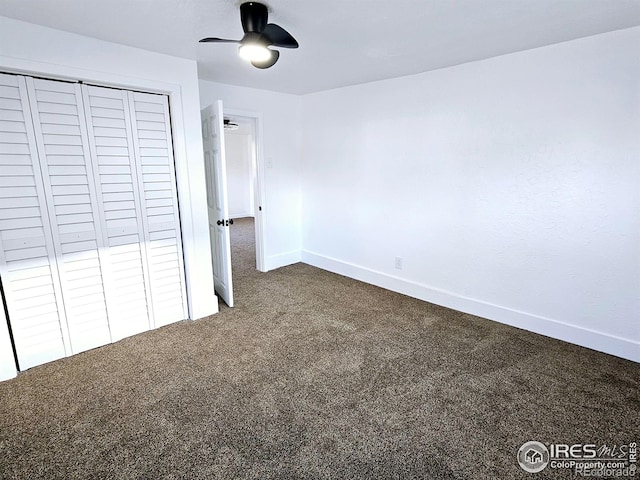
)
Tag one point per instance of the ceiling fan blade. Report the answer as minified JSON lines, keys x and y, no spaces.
{"x":278,"y":36}
{"x":253,"y":16}
{"x":218,"y":40}
{"x":269,"y":62}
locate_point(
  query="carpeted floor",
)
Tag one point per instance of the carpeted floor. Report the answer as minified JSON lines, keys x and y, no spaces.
{"x":313,"y":376}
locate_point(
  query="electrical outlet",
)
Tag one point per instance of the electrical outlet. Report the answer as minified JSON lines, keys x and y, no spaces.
{"x":399,"y":263}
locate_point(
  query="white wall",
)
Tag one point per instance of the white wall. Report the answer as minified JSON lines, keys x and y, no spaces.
{"x":281,"y":171}
{"x":33,"y":49}
{"x":239,"y":174}
{"x":508,"y":186}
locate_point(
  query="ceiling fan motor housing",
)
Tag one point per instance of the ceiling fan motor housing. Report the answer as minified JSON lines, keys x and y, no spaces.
{"x":253,"y":16}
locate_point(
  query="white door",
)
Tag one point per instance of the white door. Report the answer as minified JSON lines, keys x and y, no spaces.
{"x":90,"y":244}
{"x":72,"y":208}
{"x":28,"y":265}
{"x":159,"y":203}
{"x":216,"y":177}
{"x":131,"y":157}
{"x":124,"y":271}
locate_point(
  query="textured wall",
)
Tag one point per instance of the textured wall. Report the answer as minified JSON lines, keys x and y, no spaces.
{"x":508,"y":186}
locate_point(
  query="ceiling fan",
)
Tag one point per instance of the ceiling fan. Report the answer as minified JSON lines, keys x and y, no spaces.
{"x":258,"y":36}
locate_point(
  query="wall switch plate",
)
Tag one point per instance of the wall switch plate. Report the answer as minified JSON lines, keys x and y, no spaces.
{"x":398,"y":263}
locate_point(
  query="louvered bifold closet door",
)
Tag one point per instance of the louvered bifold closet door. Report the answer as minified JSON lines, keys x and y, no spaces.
{"x":159,"y":201}
{"x":110,"y":136}
{"x":27,"y":257}
{"x":61,"y":137}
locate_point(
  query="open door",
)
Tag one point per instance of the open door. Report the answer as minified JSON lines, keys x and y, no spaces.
{"x":216,"y":178}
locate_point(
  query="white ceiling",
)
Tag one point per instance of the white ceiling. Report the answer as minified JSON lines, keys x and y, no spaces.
{"x":342,"y":42}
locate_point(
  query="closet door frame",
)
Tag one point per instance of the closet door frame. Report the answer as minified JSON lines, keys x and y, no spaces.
{"x":189,"y":162}
{"x":188,"y":187}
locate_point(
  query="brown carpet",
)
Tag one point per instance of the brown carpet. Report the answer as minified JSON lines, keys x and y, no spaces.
{"x":313,"y":376}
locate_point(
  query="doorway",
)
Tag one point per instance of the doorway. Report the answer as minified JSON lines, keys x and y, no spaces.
{"x":243,"y":151}
{"x":247,"y":195}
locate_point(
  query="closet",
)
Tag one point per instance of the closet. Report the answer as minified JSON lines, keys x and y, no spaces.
{"x":90,"y":245}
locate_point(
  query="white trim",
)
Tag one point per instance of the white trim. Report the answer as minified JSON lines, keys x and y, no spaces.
{"x":241,"y":215}
{"x":172,"y":168}
{"x":189,"y":171}
{"x":52,"y":71}
{"x":185,"y":175}
{"x":595,"y":340}
{"x":283,"y":259}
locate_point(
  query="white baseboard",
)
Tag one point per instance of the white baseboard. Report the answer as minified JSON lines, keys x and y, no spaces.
{"x":282,"y":260}
{"x":584,"y":337}
{"x":241,"y":215}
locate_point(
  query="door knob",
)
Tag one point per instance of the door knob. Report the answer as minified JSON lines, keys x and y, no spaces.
{"x":231,"y":221}
{"x":220,"y":222}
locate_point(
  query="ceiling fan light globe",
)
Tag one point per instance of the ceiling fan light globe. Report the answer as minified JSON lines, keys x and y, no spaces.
{"x":254,"y":53}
